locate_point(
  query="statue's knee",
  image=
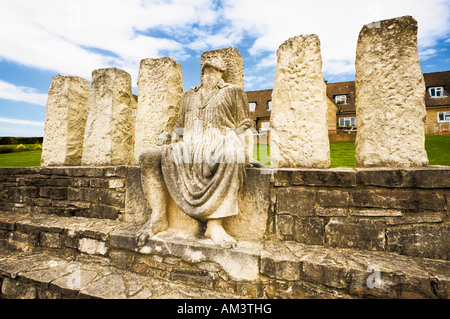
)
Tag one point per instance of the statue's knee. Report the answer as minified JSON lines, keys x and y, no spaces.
{"x":150,"y":157}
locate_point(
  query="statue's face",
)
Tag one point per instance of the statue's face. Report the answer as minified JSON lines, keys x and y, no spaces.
{"x":210,"y":72}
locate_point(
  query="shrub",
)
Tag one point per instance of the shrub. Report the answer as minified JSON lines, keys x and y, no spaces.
{"x":6,"y":149}
{"x":21,"y":147}
{"x":36,"y":147}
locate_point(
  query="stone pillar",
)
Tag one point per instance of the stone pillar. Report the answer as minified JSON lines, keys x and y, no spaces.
{"x":298,"y":122}
{"x":160,"y":86}
{"x":390,"y":96}
{"x":108,"y":139}
{"x":234,"y":62}
{"x":65,"y":121}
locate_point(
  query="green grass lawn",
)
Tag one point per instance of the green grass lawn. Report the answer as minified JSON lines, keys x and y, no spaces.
{"x":342,"y":154}
{"x":21,"y":159}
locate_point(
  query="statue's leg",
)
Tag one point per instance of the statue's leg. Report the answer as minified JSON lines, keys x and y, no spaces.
{"x":155,"y":192}
{"x":217,"y":233}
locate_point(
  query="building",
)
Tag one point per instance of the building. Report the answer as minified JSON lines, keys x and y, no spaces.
{"x":342,"y":107}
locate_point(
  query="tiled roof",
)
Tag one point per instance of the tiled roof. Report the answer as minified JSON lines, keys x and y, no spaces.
{"x":438,"y":79}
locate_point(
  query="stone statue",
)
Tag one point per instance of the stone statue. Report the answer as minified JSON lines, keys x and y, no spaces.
{"x":203,"y":168}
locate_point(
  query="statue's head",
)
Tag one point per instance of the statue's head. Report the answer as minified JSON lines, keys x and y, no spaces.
{"x":215,"y":62}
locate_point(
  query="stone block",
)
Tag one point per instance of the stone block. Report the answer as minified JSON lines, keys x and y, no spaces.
{"x":333,"y":198}
{"x":298,"y":122}
{"x":137,"y":209}
{"x":103,"y":211}
{"x":56,"y":193}
{"x":21,"y":241}
{"x":427,"y":241}
{"x":285,"y":226}
{"x":160,"y":86}
{"x":92,"y":246}
{"x":108,"y":138}
{"x":50,"y":240}
{"x":355,"y":233}
{"x":278,"y":262}
{"x":337,"y":177}
{"x":116,"y":183}
{"x":17,"y":290}
{"x":376,"y":212}
{"x":390,"y":89}
{"x":296,"y":201}
{"x":309,"y":230}
{"x":65,"y":121}
{"x":377,"y":198}
{"x":331,"y":211}
{"x":418,"y":200}
{"x":254,"y":204}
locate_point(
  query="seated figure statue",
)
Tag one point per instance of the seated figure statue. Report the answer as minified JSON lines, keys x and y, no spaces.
{"x":204,"y":171}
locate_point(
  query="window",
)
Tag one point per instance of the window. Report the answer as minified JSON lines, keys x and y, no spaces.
{"x":133,"y":112}
{"x":252,"y":106}
{"x":437,"y":91}
{"x":265,"y":126}
{"x":340,"y":99}
{"x":347,"y":121}
{"x":443,"y":117}
{"x":269,"y":105}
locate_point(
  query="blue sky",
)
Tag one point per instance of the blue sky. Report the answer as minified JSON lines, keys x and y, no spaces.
{"x":40,"y":39}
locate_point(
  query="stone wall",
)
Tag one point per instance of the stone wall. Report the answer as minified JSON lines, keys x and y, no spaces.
{"x":65,"y":191}
{"x":404,"y":211}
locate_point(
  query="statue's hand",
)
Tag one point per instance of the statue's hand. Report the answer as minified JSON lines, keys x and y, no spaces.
{"x":164,"y":138}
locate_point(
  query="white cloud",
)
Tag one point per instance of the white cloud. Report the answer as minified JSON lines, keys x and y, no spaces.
{"x":21,"y":122}
{"x":337,"y":23}
{"x":10,"y":91}
{"x":427,"y":54}
{"x":78,"y":36}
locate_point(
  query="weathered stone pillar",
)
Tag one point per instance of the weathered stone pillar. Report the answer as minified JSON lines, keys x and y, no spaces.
{"x":160,"y":86}
{"x":65,"y":121}
{"x":234,"y":61}
{"x":390,"y":96}
{"x":298,"y":123}
{"x":108,"y":139}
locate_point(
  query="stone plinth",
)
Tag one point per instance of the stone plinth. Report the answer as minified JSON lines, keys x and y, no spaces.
{"x":108,"y":138}
{"x":234,"y":63}
{"x":299,"y":131}
{"x":390,"y":96}
{"x":65,"y":121}
{"x":160,"y":91}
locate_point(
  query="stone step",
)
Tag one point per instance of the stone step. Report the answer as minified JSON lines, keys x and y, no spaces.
{"x":265,"y":269}
{"x":40,"y":275}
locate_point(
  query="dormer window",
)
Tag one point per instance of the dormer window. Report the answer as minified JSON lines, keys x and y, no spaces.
{"x":252,"y":106}
{"x":340,"y":99}
{"x":269,"y":105}
{"x":436,"y":91}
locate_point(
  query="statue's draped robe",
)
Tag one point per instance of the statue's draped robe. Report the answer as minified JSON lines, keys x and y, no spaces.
{"x":204,"y":172}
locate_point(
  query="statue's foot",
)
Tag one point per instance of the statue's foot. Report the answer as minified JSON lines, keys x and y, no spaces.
{"x":219,"y":236}
{"x":148,"y":230}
